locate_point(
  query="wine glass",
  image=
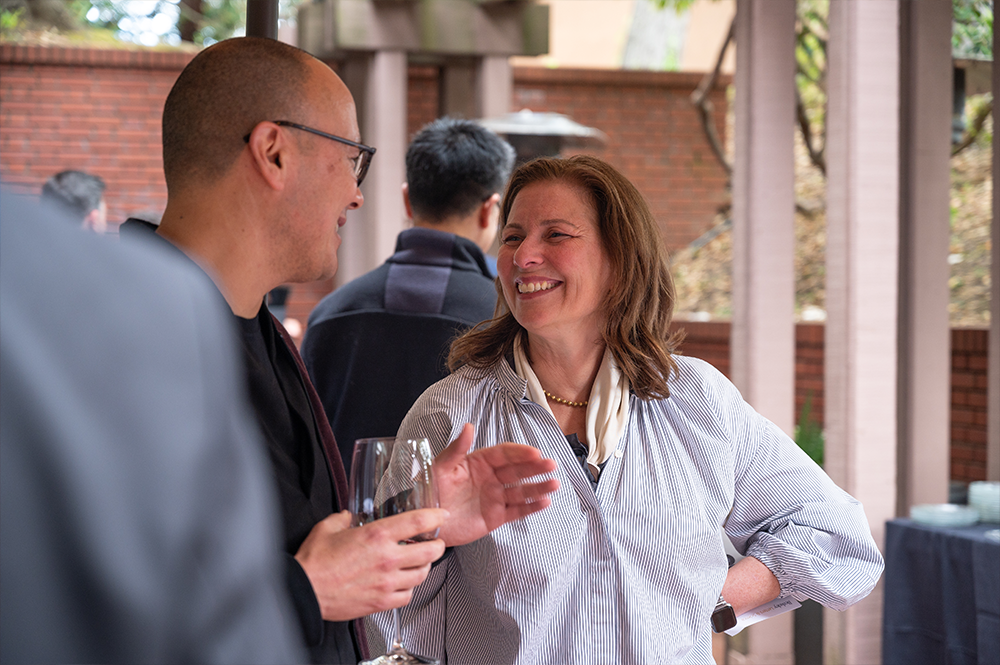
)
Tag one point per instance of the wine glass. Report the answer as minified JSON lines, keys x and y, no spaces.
{"x":375,"y":494}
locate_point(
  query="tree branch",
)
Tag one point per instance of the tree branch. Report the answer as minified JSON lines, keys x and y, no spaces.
{"x":817,"y":156}
{"x":973,"y":132}
{"x":705,"y":107}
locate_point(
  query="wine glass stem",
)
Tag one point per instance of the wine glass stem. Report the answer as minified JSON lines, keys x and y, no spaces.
{"x":397,"y":640}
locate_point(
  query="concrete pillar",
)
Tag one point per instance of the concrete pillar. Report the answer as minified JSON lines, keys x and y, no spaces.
{"x":763,"y":332}
{"x":763,"y":327}
{"x":457,"y":89}
{"x":993,"y":394}
{"x":378,"y":83}
{"x":862,"y":286}
{"x":478,"y":88}
{"x":494,"y":86}
{"x":924,"y":182}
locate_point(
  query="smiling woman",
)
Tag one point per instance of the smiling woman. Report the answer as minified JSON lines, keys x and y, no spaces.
{"x":658,"y":455}
{"x":598,"y":212}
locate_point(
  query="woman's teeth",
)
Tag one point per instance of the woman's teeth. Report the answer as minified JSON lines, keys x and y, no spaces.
{"x":535,"y":286}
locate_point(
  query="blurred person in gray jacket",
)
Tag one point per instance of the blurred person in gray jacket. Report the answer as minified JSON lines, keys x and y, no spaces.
{"x":137,"y":519}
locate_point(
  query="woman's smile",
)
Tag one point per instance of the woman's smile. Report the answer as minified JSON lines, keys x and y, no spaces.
{"x":525,"y":287}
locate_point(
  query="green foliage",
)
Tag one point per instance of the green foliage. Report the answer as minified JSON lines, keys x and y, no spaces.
{"x":220,"y":20}
{"x":678,"y":5}
{"x":79,"y":9}
{"x":972,"y":29}
{"x":10,"y":19}
{"x":808,"y":434}
{"x":20,"y":17}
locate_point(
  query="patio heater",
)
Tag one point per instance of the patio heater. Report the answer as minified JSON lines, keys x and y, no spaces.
{"x":543,"y":134}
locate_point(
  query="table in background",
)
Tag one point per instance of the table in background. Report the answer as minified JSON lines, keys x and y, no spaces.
{"x":942,"y":595}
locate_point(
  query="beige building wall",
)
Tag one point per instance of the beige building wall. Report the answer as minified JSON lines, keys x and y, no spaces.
{"x":593,"y":34}
{"x":707,"y":28}
{"x":588,"y":33}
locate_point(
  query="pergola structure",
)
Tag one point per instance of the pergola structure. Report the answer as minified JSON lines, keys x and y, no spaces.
{"x":887,"y":367}
{"x":889,"y":121}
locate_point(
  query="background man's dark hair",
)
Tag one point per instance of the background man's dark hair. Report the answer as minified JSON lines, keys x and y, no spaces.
{"x":454,"y":165}
{"x":74,"y":193}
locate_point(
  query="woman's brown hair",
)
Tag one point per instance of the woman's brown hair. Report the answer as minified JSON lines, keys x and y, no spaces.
{"x":640,"y":306}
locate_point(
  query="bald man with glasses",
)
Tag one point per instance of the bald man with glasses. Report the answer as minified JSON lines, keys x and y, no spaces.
{"x":263,"y":159}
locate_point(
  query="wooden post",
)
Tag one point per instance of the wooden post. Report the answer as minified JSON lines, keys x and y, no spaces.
{"x":862,"y":286}
{"x":762,"y":352}
{"x":262,"y":19}
{"x":924,"y":181}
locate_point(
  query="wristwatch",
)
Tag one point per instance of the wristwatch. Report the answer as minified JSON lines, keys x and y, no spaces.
{"x":723,"y":617}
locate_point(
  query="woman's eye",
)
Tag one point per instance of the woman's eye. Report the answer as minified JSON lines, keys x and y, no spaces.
{"x":511,"y":238}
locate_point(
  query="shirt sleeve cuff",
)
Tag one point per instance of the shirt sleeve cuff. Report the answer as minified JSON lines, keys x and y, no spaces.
{"x":785,"y":580}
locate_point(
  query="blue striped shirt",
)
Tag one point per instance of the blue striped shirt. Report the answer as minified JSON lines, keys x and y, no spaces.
{"x":630,"y":573}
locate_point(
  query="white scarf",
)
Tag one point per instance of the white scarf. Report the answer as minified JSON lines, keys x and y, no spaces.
{"x":607,"y":411}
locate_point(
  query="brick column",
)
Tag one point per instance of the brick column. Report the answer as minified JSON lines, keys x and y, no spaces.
{"x":861,"y":291}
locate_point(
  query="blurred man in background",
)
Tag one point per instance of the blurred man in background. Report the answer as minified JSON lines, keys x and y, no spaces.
{"x":79,"y":196}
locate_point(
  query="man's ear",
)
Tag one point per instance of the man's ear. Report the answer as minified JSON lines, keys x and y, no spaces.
{"x":406,"y":200}
{"x":486,"y":216}
{"x":269,"y":152}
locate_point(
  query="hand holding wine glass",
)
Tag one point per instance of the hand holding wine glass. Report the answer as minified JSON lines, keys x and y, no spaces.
{"x":355,"y":572}
{"x":375,"y":495}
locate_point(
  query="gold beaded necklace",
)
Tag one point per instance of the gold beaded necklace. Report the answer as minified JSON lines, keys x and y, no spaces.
{"x":567,"y":402}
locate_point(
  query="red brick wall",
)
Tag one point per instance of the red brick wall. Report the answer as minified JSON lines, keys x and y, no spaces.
{"x":710,"y":342}
{"x":809,"y":370}
{"x":421,"y":98}
{"x":93,"y":110}
{"x":969,"y":353}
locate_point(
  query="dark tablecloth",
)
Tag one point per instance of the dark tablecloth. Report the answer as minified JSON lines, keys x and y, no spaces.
{"x":942,"y":595}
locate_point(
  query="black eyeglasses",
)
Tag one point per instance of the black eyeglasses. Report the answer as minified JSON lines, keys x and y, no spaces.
{"x":361,"y":162}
